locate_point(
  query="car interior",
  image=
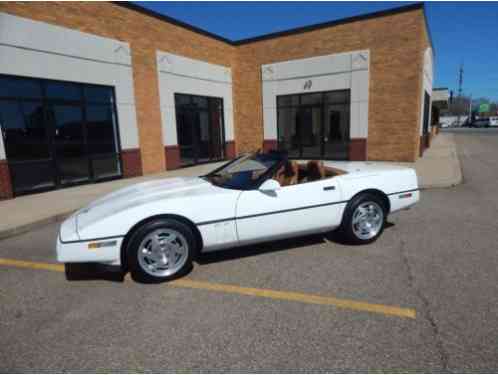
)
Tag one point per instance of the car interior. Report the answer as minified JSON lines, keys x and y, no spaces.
{"x":293,"y":173}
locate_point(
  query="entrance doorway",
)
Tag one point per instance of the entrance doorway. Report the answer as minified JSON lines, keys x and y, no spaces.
{"x":58,"y":134}
{"x":200,"y":129}
{"x":425,"y":141}
{"x":314,"y":126}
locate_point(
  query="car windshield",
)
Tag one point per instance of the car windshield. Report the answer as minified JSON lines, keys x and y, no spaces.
{"x":246,"y":172}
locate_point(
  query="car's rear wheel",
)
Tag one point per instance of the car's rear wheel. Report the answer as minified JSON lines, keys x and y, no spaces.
{"x":364,"y":219}
{"x":161,"y":250}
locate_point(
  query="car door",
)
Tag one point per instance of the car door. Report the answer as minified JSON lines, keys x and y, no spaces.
{"x":291,"y":210}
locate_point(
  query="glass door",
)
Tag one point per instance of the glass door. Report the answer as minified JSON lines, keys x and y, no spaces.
{"x":315,"y":125}
{"x":310,"y":131}
{"x":69,"y":147}
{"x":199,"y":122}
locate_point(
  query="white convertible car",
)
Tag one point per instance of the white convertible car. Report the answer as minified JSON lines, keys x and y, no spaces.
{"x":155,"y":229}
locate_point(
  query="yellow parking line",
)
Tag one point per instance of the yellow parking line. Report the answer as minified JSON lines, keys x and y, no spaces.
{"x":32,"y":265}
{"x":255,"y":292}
{"x":298,"y":297}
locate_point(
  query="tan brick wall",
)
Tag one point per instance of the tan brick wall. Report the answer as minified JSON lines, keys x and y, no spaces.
{"x":395,"y":71}
{"x":145,"y":35}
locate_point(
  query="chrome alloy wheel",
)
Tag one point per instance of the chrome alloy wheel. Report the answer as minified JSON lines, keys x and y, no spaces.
{"x":367,"y":220}
{"x":163,"y":252}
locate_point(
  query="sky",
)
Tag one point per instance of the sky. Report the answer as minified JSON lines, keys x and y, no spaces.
{"x":462,"y":32}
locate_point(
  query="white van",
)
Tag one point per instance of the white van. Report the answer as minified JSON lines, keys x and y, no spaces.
{"x":493,"y":121}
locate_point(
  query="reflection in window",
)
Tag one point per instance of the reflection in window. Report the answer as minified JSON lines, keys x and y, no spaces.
{"x":98,"y":94}
{"x":101,"y":132}
{"x":57,"y":133}
{"x":199,"y":123}
{"x":14,"y":87}
{"x":314,"y":125}
{"x":106,"y":166}
{"x":24,"y":130}
{"x":63,"y":90}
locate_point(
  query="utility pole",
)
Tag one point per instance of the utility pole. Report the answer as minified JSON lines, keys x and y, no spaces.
{"x":460,"y":83}
{"x":469,"y":119}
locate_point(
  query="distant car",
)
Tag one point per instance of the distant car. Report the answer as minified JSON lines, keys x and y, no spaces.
{"x":156,"y":228}
{"x":493,"y":121}
{"x":480,"y":123}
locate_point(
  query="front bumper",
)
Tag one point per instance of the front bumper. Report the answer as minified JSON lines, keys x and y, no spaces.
{"x":85,"y":251}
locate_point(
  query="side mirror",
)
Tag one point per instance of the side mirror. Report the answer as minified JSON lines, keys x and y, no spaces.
{"x":270,"y":185}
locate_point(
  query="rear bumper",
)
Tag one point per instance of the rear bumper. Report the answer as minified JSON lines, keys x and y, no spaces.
{"x":106,"y":251}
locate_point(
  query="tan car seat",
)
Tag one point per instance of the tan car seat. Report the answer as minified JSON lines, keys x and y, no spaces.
{"x":316,"y":170}
{"x":288,"y":174}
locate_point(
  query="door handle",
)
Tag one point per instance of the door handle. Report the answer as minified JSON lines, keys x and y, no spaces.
{"x":329,"y":188}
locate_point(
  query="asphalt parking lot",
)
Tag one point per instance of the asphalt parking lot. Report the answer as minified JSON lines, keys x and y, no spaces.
{"x":423,"y":298}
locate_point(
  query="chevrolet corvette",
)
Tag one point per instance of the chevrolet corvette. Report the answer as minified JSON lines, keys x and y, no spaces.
{"x":156,"y":229}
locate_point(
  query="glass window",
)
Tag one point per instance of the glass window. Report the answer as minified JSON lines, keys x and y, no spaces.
{"x":311,"y":99}
{"x":24,"y":130}
{"x":57,"y":133}
{"x":337,"y":97}
{"x":32,"y":175}
{"x":72,"y":161}
{"x":101,"y":133}
{"x":20,"y":87}
{"x":288,"y":100}
{"x":336,"y":131}
{"x":310,"y":123}
{"x":244,"y":173}
{"x":200,"y":101}
{"x":318,"y":127}
{"x":98,"y":94}
{"x":63,"y":90}
{"x":199,"y":124}
{"x":288,"y":135}
{"x":106,"y":166}
{"x":181,"y":100}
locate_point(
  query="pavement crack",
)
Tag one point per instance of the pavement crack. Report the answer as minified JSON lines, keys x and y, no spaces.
{"x":427,"y":313}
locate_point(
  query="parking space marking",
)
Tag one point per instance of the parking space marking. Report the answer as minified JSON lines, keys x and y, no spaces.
{"x":299,"y":297}
{"x":32,"y":265}
{"x":402,"y":312}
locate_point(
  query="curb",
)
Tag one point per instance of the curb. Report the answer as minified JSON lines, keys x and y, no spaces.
{"x":21,"y":229}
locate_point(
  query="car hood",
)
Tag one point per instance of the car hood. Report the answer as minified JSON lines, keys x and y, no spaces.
{"x":140,"y":194}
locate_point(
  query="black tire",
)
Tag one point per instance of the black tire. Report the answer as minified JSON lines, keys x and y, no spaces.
{"x":138,"y":272}
{"x":346,"y":228}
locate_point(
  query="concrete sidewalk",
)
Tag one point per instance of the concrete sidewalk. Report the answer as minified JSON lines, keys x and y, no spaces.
{"x":24,"y":213}
{"x":439,"y":167}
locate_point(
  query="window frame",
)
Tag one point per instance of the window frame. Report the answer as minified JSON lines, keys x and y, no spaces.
{"x":82,"y":103}
{"x":190,"y":106}
{"x":322,"y":106}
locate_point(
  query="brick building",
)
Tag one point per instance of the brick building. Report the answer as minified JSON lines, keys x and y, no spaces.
{"x":95,"y":91}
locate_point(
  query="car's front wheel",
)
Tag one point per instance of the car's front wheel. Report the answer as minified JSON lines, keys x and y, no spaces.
{"x":161,"y":250}
{"x":364,"y":219}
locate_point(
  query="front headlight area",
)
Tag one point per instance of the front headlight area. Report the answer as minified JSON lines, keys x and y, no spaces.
{"x":73,"y":249}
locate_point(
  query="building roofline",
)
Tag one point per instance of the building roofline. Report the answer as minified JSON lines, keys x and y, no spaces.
{"x":341,"y":21}
{"x":171,"y":20}
{"x":297,"y":30}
